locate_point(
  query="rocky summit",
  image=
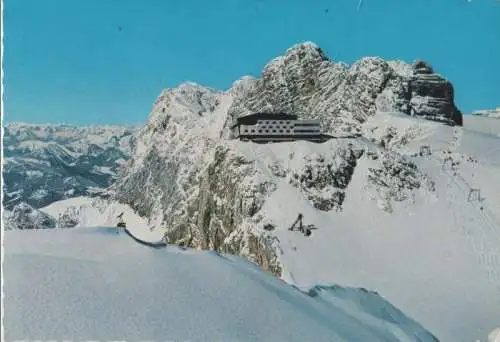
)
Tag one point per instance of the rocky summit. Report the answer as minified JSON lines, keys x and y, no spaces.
{"x":210,"y":191}
{"x":305,"y":82}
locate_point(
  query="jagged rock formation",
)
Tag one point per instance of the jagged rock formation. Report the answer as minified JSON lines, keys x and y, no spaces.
{"x":68,"y":218}
{"x":323,"y":180}
{"x":305,"y":82}
{"x":395,"y":179}
{"x":179,"y":174}
{"x":211,"y":192}
{"x":24,"y":216}
{"x":47,"y":163}
{"x":431,"y":95}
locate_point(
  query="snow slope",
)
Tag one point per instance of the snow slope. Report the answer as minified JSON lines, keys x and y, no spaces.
{"x":482,"y":124}
{"x":494,"y":336}
{"x":437,"y":257}
{"x":94,"y":284}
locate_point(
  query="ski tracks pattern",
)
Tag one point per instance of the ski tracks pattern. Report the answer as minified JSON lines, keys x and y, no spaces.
{"x":481,"y":231}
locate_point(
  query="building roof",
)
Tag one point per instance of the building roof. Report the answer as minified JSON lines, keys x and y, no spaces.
{"x":252,"y":118}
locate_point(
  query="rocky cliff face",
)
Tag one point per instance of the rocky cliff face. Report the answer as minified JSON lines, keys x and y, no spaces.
{"x":209,"y":191}
{"x":396,"y":178}
{"x":305,"y":82}
{"x":431,"y":95}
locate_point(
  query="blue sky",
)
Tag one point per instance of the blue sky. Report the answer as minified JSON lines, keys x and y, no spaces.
{"x":105,"y":61}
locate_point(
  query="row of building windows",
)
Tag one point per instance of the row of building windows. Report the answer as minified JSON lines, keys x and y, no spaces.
{"x":304,"y":124}
{"x":276,"y":127}
{"x":273,"y":122}
{"x":267,"y":131}
{"x":281,"y":131}
{"x":283,"y":126}
{"x":288,"y":123}
{"x":307,"y":131}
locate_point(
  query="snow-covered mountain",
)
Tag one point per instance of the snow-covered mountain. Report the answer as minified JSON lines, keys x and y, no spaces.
{"x":47,"y":163}
{"x":92,"y":284}
{"x":24,"y":216}
{"x":305,"y":82}
{"x":186,"y":171}
{"x":371,"y":187}
{"x":404,"y":201}
{"x":492,"y":113}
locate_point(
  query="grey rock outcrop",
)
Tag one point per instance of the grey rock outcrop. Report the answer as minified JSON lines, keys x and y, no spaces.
{"x":24,"y":216}
{"x":431,"y":95}
{"x":396,"y":178}
{"x":323,"y":181}
{"x":305,"y":82}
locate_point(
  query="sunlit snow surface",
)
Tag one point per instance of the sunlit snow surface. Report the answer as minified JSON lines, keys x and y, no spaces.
{"x":96,"y":284}
{"x":438,"y":259}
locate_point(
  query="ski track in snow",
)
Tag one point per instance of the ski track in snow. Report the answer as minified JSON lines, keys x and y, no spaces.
{"x":472,"y":237}
{"x":486,"y":243}
{"x":483,"y":236}
{"x":482,"y":240}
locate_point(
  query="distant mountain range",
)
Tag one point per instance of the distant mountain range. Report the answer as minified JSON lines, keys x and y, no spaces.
{"x":492,"y":113}
{"x":390,"y":194}
{"x":47,"y":163}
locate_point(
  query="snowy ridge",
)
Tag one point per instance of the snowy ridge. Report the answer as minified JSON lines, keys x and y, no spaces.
{"x":192,"y":285}
{"x":95,"y":212}
{"x":491,"y":113}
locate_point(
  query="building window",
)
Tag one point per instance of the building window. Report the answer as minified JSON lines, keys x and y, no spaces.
{"x":281,"y":131}
{"x":246,"y":130}
{"x":288,"y":131}
{"x":260,"y":131}
{"x":306,"y":131}
{"x":253,"y":131}
{"x":304,"y":124}
{"x":274,"y":131}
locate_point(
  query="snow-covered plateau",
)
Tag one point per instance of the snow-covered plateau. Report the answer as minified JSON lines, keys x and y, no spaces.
{"x":404,"y":201}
